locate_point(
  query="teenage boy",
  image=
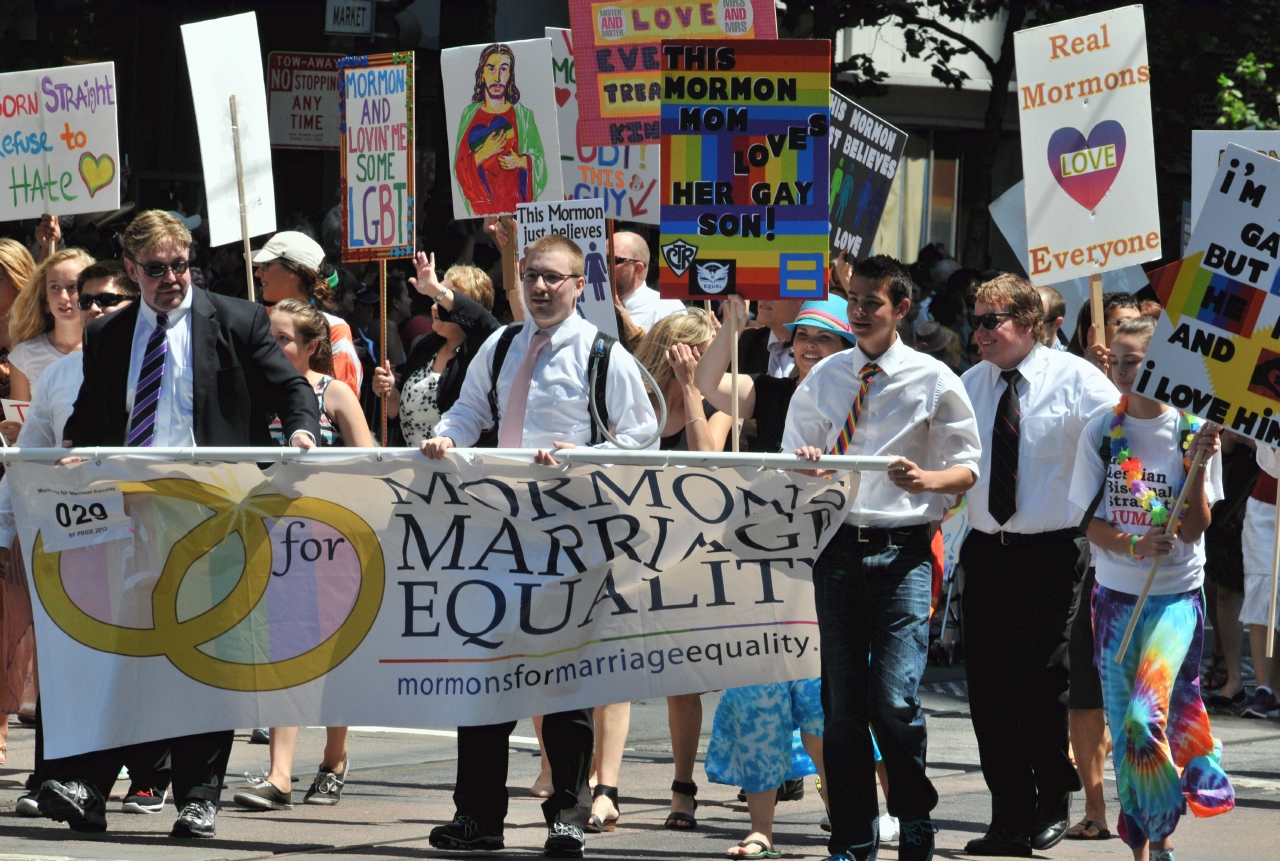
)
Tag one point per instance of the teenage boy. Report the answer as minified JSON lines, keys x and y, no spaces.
{"x":872,"y":583}
{"x":543,"y":392}
{"x":1024,"y":562}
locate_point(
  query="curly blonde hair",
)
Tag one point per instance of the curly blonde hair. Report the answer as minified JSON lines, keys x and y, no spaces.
{"x":30,"y":316}
{"x":16,"y":263}
{"x":693,"y":327}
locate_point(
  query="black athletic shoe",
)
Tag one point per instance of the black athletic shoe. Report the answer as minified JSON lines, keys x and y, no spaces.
{"x":75,"y":803}
{"x":327,"y":787}
{"x":791,"y":790}
{"x":999,"y":843}
{"x":261,"y":794}
{"x":464,"y":833}
{"x":915,"y":840}
{"x":564,"y":841}
{"x":144,"y":799}
{"x":198,"y":819}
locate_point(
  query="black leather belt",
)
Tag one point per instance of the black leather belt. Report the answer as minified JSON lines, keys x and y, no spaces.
{"x":873,"y":539}
{"x":1013,"y":539}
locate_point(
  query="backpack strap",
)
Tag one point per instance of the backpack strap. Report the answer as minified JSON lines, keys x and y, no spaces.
{"x":598,"y":364}
{"x":1104,"y":452}
{"x":500,"y":351}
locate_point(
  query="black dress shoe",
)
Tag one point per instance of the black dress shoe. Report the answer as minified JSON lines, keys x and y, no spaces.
{"x":999,"y":843}
{"x":74,"y":803}
{"x":1051,"y":825}
{"x":1050,"y":835}
{"x":564,"y":841}
{"x":199,"y":818}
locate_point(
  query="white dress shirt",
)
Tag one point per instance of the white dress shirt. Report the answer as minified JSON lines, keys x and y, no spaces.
{"x":781,"y":362}
{"x":915,"y":408}
{"x":646,"y":306}
{"x":558,"y":407}
{"x":175,"y":412}
{"x":1058,"y":395}
{"x":52,"y":401}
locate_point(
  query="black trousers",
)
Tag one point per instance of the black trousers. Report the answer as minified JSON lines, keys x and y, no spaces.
{"x":1019,"y":602}
{"x":198,"y":764}
{"x":481,"y":790}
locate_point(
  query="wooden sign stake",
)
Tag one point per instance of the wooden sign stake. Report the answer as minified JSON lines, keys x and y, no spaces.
{"x":244,"y":210}
{"x":1170,"y":526}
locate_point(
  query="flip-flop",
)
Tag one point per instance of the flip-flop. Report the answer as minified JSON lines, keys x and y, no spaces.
{"x":766,"y":851}
{"x":1085,"y":825}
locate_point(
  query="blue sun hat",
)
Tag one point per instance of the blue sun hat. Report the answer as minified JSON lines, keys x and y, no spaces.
{"x":831,"y":314}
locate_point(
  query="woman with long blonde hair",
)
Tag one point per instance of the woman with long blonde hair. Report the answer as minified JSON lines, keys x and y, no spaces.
{"x":16,"y":266}
{"x":45,"y":324}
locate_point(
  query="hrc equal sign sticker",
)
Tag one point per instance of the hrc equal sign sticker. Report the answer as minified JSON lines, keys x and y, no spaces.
{"x":802,"y":276}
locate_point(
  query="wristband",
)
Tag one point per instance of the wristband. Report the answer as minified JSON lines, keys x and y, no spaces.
{"x":1133,"y":547}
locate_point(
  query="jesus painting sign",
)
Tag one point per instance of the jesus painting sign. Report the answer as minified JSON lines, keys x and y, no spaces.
{"x":503,"y":136}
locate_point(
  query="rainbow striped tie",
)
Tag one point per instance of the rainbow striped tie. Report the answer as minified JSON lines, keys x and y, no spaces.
{"x":846,"y":433}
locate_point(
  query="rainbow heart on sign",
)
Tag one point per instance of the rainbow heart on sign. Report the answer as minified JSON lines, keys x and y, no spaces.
{"x":97,"y":172}
{"x":1086,"y":168}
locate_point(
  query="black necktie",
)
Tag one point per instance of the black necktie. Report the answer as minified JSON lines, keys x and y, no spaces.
{"x":1002,"y":501}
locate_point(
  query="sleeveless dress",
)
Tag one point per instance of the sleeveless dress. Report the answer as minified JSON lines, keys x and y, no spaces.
{"x":329,"y":432}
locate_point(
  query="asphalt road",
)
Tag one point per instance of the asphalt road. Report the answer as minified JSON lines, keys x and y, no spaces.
{"x":402,"y":780}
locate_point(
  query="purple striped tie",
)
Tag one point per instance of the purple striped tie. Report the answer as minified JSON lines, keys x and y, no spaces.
{"x":146,"y":400}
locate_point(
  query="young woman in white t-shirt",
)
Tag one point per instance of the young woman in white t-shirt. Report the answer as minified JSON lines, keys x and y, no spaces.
{"x":1164,"y":750}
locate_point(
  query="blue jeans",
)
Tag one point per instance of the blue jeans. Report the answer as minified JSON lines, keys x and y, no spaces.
{"x":876,"y":605}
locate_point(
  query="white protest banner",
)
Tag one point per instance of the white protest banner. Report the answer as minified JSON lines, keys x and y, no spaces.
{"x":1215,"y":352}
{"x":303,"y":100}
{"x":1207,"y":149}
{"x":1087,"y":145}
{"x":583,"y":222}
{"x":865,"y":152}
{"x":375,"y":98}
{"x":500,"y":115}
{"x":414,"y":593}
{"x":613,"y":175}
{"x":224,"y":60}
{"x":58,"y":138}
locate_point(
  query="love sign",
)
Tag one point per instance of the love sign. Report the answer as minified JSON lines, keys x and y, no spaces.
{"x":1087,"y":145}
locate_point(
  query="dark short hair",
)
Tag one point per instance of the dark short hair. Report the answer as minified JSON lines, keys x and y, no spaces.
{"x":108,"y":269}
{"x":1120,"y":299}
{"x":882,"y":267}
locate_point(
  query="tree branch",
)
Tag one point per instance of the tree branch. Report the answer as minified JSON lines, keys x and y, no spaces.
{"x":946,"y":31}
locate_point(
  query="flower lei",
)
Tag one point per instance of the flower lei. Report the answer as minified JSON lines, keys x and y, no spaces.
{"x":1132,"y":466}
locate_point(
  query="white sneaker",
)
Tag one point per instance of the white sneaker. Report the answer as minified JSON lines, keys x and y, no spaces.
{"x":888,"y":828}
{"x":26,"y":805}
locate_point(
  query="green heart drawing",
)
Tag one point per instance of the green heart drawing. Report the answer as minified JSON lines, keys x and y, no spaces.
{"x":98,"y":172}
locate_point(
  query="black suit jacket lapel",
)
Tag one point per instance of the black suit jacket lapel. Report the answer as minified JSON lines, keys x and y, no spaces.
{"x":115,"y":354}
{"x":204,"y":364}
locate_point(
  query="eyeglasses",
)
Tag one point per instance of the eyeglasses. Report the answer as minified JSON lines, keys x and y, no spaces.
{"x":552,"y":279}
{"x":157,"y":270}
{"x":102,"y":300}
{"x":620,"y":260}
{"x":989,"y":320}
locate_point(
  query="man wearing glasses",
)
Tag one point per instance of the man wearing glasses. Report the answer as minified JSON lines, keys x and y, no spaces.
{"x":542,"y":398}
{"x":638,"y":304}
{"x":1024,"y":562}
{"x":183,"y":367}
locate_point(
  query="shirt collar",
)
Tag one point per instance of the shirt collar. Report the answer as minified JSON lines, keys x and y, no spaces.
{"x":561,"y":331}
{"x":172,"y":316}
{"x":889,"y":361}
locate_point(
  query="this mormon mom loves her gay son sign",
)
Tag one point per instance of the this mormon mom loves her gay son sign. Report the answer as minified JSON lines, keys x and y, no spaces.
{"x":1087,"y":155}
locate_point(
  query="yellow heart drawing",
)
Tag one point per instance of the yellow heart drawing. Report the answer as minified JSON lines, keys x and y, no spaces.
{"x":98,"y":172}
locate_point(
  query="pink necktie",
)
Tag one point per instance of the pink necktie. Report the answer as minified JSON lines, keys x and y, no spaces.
{"x":511,"y":431}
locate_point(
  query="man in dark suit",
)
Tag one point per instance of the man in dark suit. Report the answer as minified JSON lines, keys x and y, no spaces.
{"x":183,"y":367}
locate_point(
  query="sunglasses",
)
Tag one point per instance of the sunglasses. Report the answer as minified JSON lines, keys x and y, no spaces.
{"x":988,"y":321}
{"x":553,"y":279}
{"x":157,"y":270}
{"x":620,"y":260}
{"x":102,"y":300}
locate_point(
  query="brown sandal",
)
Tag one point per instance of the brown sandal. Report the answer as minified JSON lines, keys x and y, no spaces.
{"x":1083,"y":834}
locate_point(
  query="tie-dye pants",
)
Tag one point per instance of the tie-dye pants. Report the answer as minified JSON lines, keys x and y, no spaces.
{"x":1166,"y":757}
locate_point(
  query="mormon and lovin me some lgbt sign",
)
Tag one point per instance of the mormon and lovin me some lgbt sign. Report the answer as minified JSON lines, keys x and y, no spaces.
{"x":407,"y":593}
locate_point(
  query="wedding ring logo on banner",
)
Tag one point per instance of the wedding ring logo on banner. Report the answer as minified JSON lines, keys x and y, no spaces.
{"x":256,"y":593}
